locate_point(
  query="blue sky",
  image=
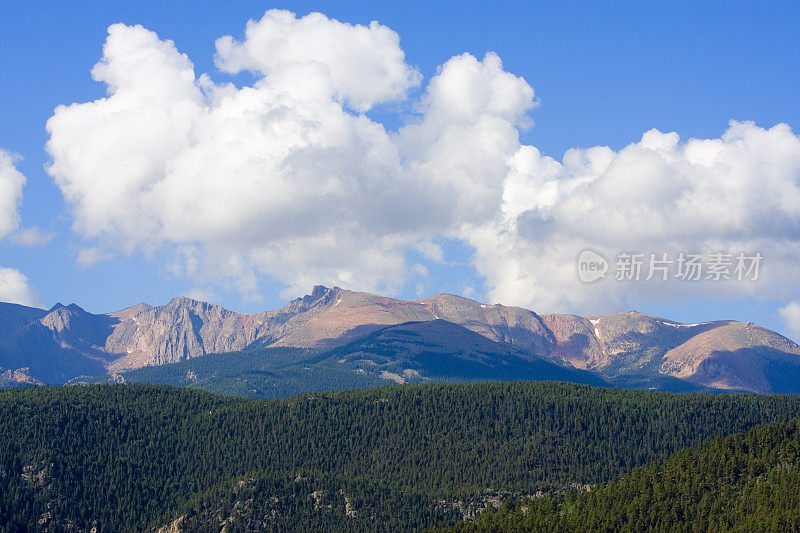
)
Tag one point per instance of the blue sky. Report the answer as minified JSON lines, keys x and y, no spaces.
{"x":603,"y":74}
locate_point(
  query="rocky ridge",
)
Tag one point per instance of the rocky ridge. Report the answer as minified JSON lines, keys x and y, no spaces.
{"x":66,"y":341}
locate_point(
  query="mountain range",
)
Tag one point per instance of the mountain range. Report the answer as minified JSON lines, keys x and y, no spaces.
{"x":442,"y":337}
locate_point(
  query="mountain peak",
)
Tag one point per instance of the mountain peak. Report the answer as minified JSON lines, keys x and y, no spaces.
{"x":318,"y":291}
{"x":180,"y":302}
{"x":70,"y":309}
{"x":183,"y":300}
{"x":319,"y":294}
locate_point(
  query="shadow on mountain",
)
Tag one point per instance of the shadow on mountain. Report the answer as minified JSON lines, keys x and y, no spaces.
{"x":440,"y":350}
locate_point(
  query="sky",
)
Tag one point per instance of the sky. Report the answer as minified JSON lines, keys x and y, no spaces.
{"x":242,"y":152}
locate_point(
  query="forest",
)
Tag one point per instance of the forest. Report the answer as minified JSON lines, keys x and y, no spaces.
{"x":133,"y":457}
{"x":747,"y":482}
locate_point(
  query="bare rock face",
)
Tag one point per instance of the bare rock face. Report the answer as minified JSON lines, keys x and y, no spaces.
{"x":186,"y":328}
{"x":335,"y":316}
{"x":339,"y":316}
{"x":21,"y":377}
{"x":577,"y":341}
{"x":422,"y":351}
{"x":54,"y":346}
{"x":72,"y":327}
{"x":181,"y":329}
{"x":735,"y":355}
{"x":66,"y":342}
{"x":513,"y":325}
{"x":724,"y":354}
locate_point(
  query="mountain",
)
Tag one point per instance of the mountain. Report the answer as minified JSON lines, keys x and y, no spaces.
{"x":135,"y":458}
{"x":440,"y":350}
{"x":52,"y":346}
{"x":627,"y":349}
{"x":743,"y":482}
{"x":413,"y":352}
{"x":339,"y":315}
{"x":633,"y":348}
{"x":735,"y":355}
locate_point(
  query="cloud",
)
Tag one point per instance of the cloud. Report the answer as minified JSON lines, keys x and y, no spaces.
{"x":15,"y":288}
{"x":274,"y":179}
{"x":88,"y":257}
{"x":11,"y":183}
{"x":33,"y":236}
{"x":739,"y":193}
{"x":790,"y":314}
{"x":287,"y":177}
{"x":314,"y":58}
{"x":202,"y":295}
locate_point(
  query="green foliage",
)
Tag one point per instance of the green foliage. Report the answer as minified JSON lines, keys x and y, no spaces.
{"x":748,"y":482}
{"x":263,"y":373}
{"x":133,"y":456}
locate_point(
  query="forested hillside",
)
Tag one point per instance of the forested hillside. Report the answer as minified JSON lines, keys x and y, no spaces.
{"x":747,"y":482}
{"x":413,"y":456}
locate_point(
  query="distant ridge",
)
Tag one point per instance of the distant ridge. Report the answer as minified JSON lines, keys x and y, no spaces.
{"x":627,"y":348}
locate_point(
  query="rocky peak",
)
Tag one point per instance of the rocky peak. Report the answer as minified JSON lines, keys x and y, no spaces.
{"x":320,"y":296}
{"x":73,"y":327}
{"x":61,"y":317}
{"x":180,"y":302}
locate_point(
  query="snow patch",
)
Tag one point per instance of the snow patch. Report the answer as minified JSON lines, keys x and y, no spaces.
{"x":674,"y":325}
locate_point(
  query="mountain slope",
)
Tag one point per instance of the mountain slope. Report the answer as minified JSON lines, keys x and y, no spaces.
{"x":632,"y":348}
{"x":745,"y":482}
{"x":344,"y":315}
{"x":432,"y":351}
{"x":736,"y":355}
{"x":627,"y":349}
{"x":54,"y":345}
{"x":440,"y":350}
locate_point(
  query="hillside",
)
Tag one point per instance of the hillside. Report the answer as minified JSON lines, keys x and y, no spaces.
{"x":261,"y":373}
{"x":132,"y":456}
{"x":748,"y":482}
{"x":413,"y":352}
{"x":438,"y":350}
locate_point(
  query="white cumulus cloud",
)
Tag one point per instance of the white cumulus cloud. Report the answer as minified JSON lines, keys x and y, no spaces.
{"x":790,"y":314}
{"x":11,"y":183}
{"x":285,"y":177}
{"x":288,"y":177}
{"x":315,"y":57}
{"x":739,"y":193}
{"x":14,"y":286}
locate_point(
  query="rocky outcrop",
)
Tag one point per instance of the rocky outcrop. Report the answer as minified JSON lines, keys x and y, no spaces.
{"x":21,"y":377}
{"x":67,"y":342}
